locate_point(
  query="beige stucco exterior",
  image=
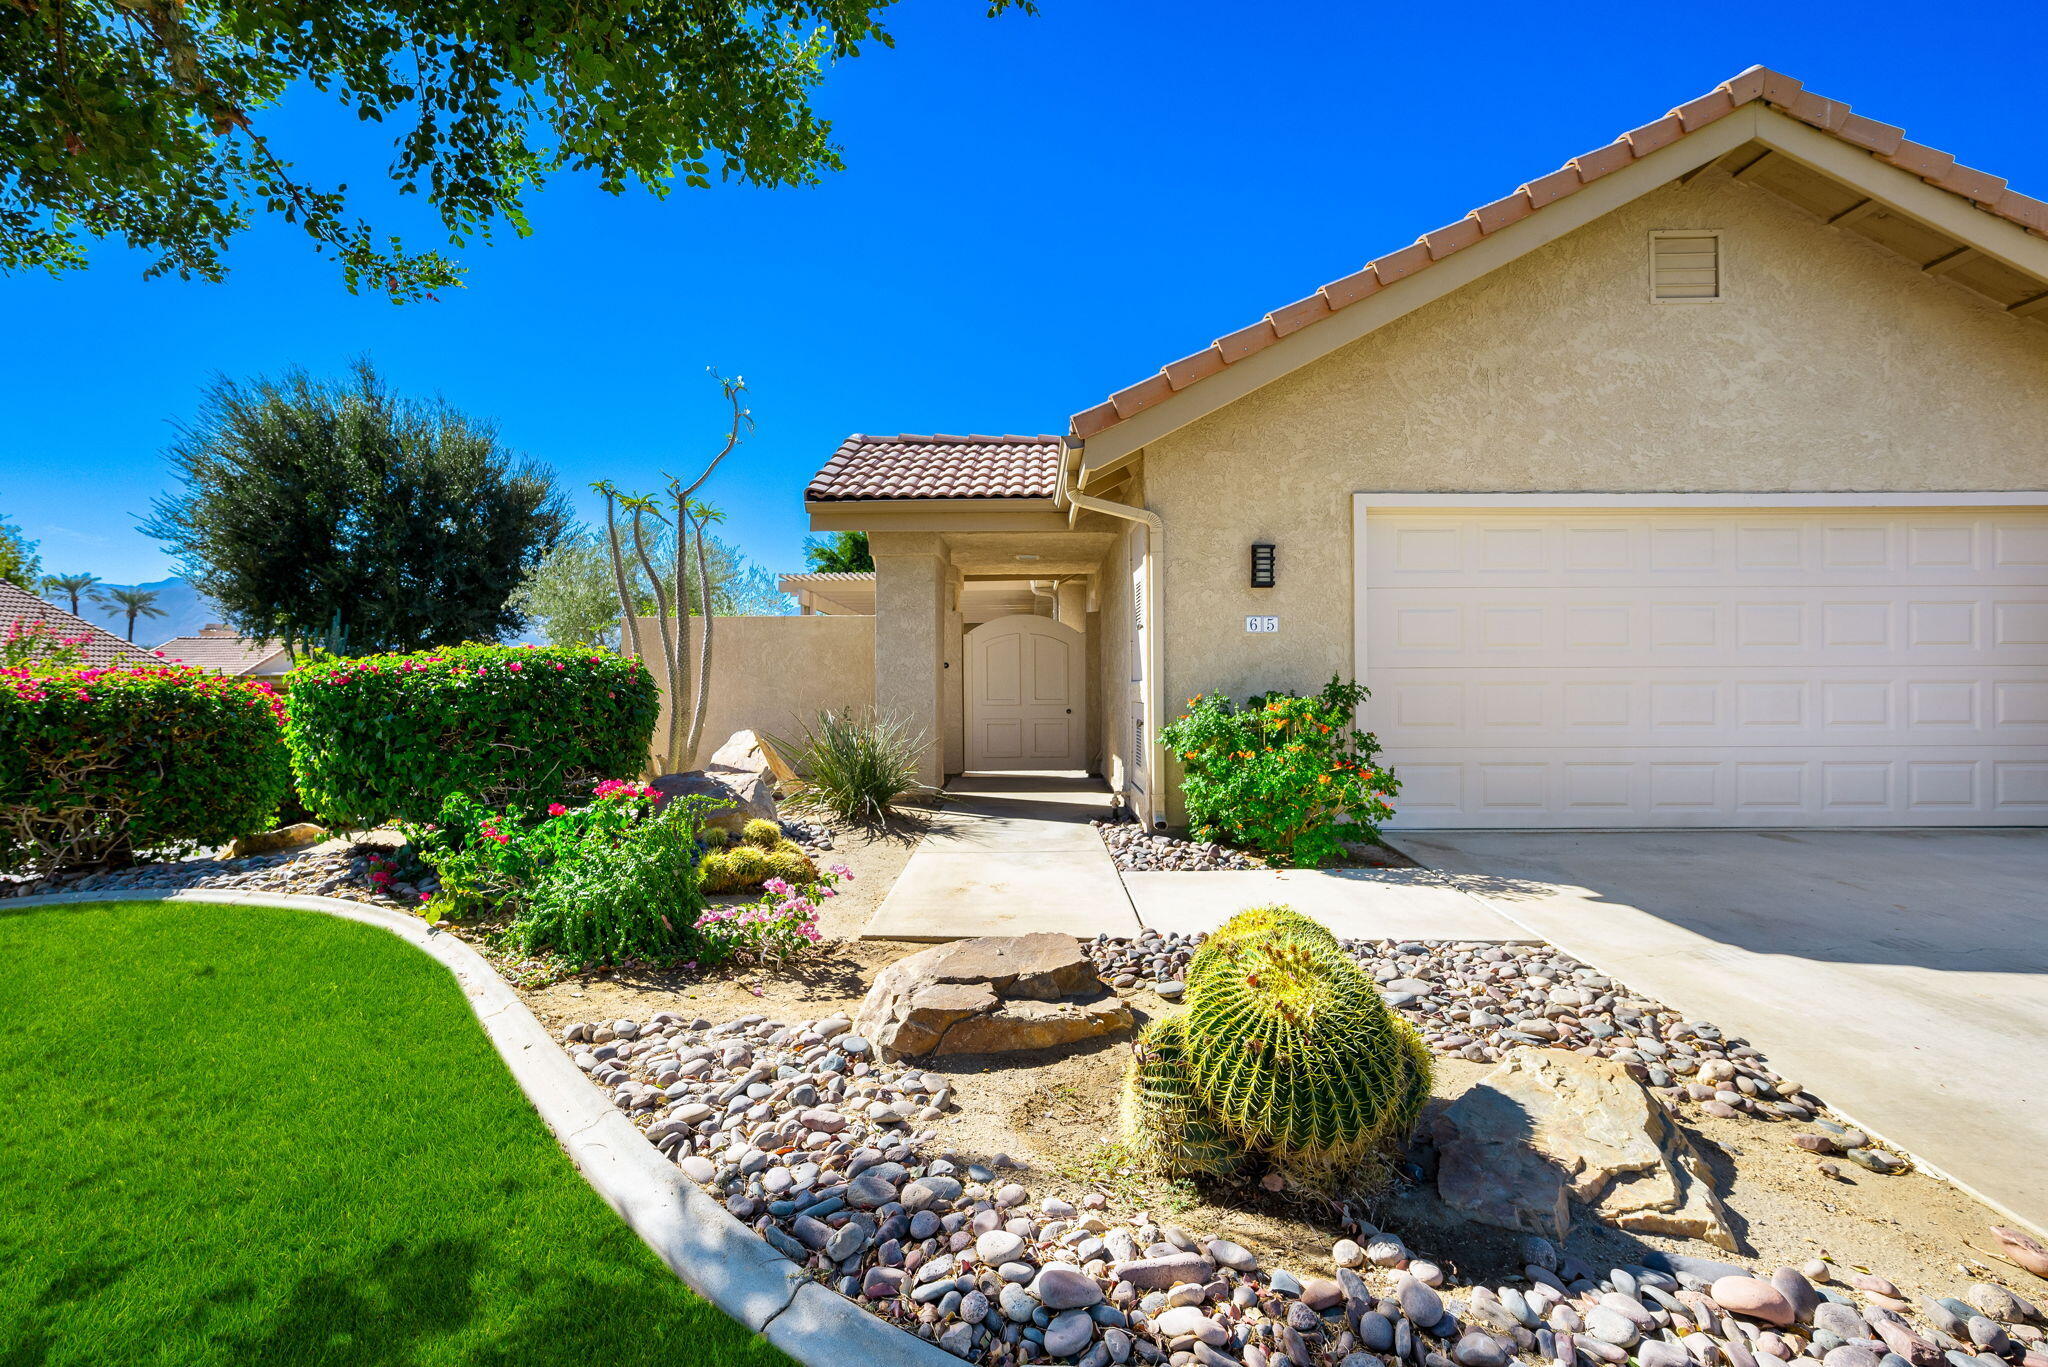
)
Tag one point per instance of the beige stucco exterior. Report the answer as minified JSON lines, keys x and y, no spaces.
{"x":1831,"y":364}
{"x":775,"y":674}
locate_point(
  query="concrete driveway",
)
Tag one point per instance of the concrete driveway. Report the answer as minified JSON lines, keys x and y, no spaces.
{"x":1901,"y":975}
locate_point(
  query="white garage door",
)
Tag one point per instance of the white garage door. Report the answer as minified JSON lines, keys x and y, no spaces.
{"x":1711,"y":667}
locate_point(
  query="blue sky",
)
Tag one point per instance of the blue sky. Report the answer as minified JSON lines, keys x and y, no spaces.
{"x":1035,"y":211}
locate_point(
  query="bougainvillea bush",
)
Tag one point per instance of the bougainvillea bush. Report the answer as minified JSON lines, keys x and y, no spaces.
{"x":102,"y":765}
{"x":391,"y":737}
{"x":1290,"y":777}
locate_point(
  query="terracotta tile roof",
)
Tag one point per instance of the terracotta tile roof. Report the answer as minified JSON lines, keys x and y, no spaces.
{"x":1883,"y":141}
{"x":872,"y":467}
{"x":101,"y":648}
{"x":220,"y":651}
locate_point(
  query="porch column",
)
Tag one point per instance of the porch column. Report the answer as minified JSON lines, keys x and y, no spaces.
{"x":954,"y":678}
{"x":910,"y":618}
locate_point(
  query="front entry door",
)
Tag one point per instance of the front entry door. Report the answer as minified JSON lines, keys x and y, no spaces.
{"x":1024,"y":695}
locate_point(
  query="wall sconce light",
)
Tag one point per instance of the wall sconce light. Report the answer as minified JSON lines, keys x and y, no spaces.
{"x":1262,"y":564}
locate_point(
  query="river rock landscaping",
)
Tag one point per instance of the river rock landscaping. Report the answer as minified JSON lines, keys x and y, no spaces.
{"x":828,"y":1152}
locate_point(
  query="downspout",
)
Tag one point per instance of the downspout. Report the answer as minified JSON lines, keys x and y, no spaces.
{"x":1155,"y":638}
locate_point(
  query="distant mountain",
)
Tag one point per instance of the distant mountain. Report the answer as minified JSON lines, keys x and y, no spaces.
{"x":185,"y":611}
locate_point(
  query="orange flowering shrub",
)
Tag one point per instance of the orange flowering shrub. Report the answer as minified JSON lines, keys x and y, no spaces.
{"x":1289,"y":777}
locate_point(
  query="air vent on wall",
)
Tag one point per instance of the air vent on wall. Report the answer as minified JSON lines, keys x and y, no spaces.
{"x":1685,"y":267}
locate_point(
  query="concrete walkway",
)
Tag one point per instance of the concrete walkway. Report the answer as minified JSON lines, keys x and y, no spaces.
{"x":1014,"y":853}
{"x":1901,"y":975}
{"x":1009,"y":854}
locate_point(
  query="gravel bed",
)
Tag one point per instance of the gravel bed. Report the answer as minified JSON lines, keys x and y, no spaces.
{"x":814,"y":1143}
{"x":334,"y":873}
{"x":1477,"y":1001}
{"x":1135,"y":851}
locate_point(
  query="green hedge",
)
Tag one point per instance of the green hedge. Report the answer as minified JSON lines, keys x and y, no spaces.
{"x":390,"y":737}
{"x":99,"y":764}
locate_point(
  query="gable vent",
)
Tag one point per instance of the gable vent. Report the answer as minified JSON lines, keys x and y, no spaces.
{"x":1685,"y":268}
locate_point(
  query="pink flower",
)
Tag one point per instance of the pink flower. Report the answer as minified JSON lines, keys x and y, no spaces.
{"x":515,"y":668}
{"x":557,"y":809}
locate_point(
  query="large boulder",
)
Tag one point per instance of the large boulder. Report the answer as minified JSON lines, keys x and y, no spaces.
{"x":750,"y":752}
{"x":998,"y":994}
{"x":1550,"y":1127}
{"x":747,"y":796}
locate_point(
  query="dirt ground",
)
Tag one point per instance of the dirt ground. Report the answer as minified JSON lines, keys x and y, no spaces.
{"x":1053,"y":1118}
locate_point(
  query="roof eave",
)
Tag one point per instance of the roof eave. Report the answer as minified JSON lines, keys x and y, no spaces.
{"x":1234,"y":366}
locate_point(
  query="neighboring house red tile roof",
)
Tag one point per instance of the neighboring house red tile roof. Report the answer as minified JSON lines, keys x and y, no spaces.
{"x":869,"y":467}
{"x":221,"y":651}
{"x":101,"y":648}
{"x":1883,"y":141}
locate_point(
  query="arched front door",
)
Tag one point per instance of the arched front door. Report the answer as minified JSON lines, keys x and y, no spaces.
{"x":1024,"y":695}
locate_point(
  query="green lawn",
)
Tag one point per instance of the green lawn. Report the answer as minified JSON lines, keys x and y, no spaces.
{"x":242,"y":1135}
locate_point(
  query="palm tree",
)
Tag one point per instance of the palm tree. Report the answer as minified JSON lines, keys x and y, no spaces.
{"x":135,"y":603}
{"x":72,"y":586}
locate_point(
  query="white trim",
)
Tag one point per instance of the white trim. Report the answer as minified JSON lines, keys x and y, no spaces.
{"x":1964,"y":498}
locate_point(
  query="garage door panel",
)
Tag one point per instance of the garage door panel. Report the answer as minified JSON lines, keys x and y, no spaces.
{"x":1709,"y":547}
{"x":1782,"y":706}
{"x":1651,"y":627}
{"x":1715,"y":667}
{"x":1847,"y":785}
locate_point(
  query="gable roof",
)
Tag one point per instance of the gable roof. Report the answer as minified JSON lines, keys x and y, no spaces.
{"x":221,"y":651}
{"x":977,"y":467}
{"x":1772,"y":89}
{"x":102,"y":647}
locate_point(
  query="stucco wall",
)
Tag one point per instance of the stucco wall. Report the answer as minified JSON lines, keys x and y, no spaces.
{"x":769,"y":673}
{"x":1832,"y":364}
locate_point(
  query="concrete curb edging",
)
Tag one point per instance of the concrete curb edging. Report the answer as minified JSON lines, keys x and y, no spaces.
{"x":714,"y":1254}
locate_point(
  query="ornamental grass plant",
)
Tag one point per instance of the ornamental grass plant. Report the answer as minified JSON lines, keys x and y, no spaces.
{"x":858,"y":764}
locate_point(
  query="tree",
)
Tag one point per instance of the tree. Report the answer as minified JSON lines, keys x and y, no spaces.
{"x":839,"y":553}
{"x":134,"y":603}
{"x":147,"y":120}
{"x":72,"y":586}
{"x":572,"y":598}
{"x":691,"y":521}
{"x":337,"y":512}
{"x":19,"y":563}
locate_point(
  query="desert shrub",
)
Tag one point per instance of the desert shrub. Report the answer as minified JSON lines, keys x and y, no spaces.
{"x":104,"y":764}
{"x":857,"y":765}
{"x":1289,"y":777}
{"x":633,"y":898}
{"x":1286,"y":1048}
{"x":488,"y":859}
{"x":386,"y":737}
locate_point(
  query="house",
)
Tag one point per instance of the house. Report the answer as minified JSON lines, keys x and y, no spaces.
{"x":100,"y":648}
{"x":219,"y":649}
{"x":1699,"y":482}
